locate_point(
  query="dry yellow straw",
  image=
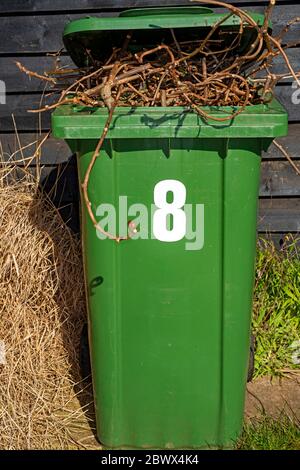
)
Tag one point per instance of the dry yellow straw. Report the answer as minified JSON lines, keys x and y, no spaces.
{"x":42,"y":310}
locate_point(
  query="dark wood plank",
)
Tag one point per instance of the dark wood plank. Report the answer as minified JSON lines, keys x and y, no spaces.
{"x":53,"y":151}
{"x":281,"y":16}
{"x":18,"y":105}
{"x":43,"y":33}
{"x":278,"y":178}
{"x":25,"y":6}
{"x":279,"y":65}
{"x":289,"y":96}
{"x":279,"y":215}
{"x":290,"y":143}
{"x":18,"y":82}
{"x":34,"y":34}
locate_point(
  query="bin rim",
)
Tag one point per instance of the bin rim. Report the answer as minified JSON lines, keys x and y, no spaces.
{"x":92,"y":23}
{"x":79,"y":122}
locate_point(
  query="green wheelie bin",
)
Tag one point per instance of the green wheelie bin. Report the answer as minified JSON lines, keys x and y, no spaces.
{"x":169,"y":310}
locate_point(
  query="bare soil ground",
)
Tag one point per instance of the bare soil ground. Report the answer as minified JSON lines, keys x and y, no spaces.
{"x":274,"y":397}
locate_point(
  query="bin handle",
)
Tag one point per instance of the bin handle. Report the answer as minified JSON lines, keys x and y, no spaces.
{"x":170,"y":11}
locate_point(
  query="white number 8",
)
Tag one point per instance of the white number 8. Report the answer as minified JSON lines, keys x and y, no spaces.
{"x":164,"y":209}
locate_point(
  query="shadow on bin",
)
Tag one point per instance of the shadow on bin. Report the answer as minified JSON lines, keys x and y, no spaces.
{"x":61,"y":187}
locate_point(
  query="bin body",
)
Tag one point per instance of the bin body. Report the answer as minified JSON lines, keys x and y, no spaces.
{"x":169,"y":321}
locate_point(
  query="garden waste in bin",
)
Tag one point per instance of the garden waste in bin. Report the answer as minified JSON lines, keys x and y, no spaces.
{"x":170,"y":308}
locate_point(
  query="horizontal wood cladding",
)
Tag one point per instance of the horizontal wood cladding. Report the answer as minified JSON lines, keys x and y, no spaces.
{"x":37,"y":6}
{"x":278,"y":178}
{"x":43,"y":33}
{"x":18,"y":82}
{"x":279,"y":215}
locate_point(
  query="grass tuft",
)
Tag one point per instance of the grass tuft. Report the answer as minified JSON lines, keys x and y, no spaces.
{"x":276,"y":318}
{"x":267,"y":433}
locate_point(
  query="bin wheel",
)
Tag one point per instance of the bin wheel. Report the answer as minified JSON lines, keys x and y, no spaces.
{"x":251,"y":359}
{"x":84,"y":359}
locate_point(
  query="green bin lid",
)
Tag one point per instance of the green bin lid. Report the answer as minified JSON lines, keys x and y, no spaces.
{"x":94,"y":36}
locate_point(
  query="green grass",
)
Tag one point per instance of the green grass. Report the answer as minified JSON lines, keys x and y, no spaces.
{"x":268,"y":433}
{"x":276,"y":318}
